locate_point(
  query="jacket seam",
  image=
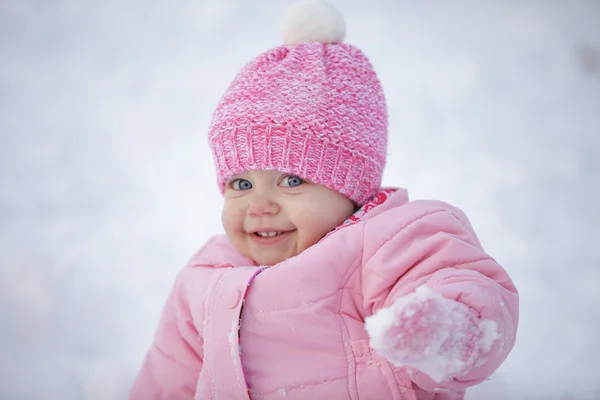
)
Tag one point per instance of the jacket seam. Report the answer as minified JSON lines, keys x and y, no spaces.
{"x":408,"y":224}
{"x":210,"y":299}
{"x":386,"y":365}
{"x":357,"y":265}
{"x":453,"y":266}
{"x":428,"y":277}
{"x":247,"y":309}
{"x":311,"y":383}
{"x":342,"y":286}
{"x":344,"y":330}
{"x":344,"y":327}
{"x":461,"y":263}
{"x":352,"y":375}
{"x":460,"y":221}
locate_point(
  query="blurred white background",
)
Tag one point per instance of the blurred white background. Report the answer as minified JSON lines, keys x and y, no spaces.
{"x":107,"y":184}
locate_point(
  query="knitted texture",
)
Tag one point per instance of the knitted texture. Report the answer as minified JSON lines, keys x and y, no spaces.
{"x":314,"y":110}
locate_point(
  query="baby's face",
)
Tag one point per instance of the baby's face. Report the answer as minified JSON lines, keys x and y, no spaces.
{"x":270,"y":216}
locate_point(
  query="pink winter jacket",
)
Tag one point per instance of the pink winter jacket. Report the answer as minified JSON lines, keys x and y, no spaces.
{"x":300,"y":333}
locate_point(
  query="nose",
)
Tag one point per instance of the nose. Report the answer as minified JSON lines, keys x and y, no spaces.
{"x":262,"y":205}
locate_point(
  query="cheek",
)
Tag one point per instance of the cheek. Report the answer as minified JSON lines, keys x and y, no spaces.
{"x":313,"y":227}
{"x":231,"y":219}
{"x":314,"y":223}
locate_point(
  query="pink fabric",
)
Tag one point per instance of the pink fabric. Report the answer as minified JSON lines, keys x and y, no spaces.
{"x":301,"y":327}
{"x":314,"y":110}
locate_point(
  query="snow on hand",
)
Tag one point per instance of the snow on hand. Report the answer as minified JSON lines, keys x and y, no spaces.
{"x":431,"y":333}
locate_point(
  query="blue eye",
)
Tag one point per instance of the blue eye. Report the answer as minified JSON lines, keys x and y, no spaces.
{"x":292,"y":181}
{"x":241,"y":184}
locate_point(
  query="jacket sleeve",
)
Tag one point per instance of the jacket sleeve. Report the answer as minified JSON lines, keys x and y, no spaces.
{"x":432,"y":243}
{"x":172,"y":365}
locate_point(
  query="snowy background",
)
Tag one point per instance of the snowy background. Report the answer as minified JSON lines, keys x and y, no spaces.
{"x":107,"y":185}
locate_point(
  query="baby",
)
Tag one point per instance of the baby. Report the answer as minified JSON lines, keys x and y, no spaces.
{"x":325,"y":285}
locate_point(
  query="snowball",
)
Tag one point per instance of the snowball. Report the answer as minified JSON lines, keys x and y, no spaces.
{"x":490,"y":334}
{"x":422,"y":343}
{"x":312,"y":21}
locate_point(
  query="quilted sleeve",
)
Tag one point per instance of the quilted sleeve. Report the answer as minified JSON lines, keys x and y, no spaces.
{"x":432,"y":244}
{"x":172,"y":365}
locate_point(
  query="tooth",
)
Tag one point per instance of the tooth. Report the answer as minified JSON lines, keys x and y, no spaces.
{"x":269,"y":234}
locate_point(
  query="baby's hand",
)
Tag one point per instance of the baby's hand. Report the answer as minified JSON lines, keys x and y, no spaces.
{"x":438,"y":336}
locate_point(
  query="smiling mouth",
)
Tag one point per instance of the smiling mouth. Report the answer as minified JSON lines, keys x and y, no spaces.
{"x":270,"y":237}
{"x":268,"y":234}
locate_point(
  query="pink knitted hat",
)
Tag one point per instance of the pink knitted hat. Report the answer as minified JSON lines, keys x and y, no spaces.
{"x":313,"y":107}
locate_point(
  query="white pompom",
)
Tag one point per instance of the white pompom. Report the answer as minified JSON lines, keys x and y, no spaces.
{"x":312,"y":21}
